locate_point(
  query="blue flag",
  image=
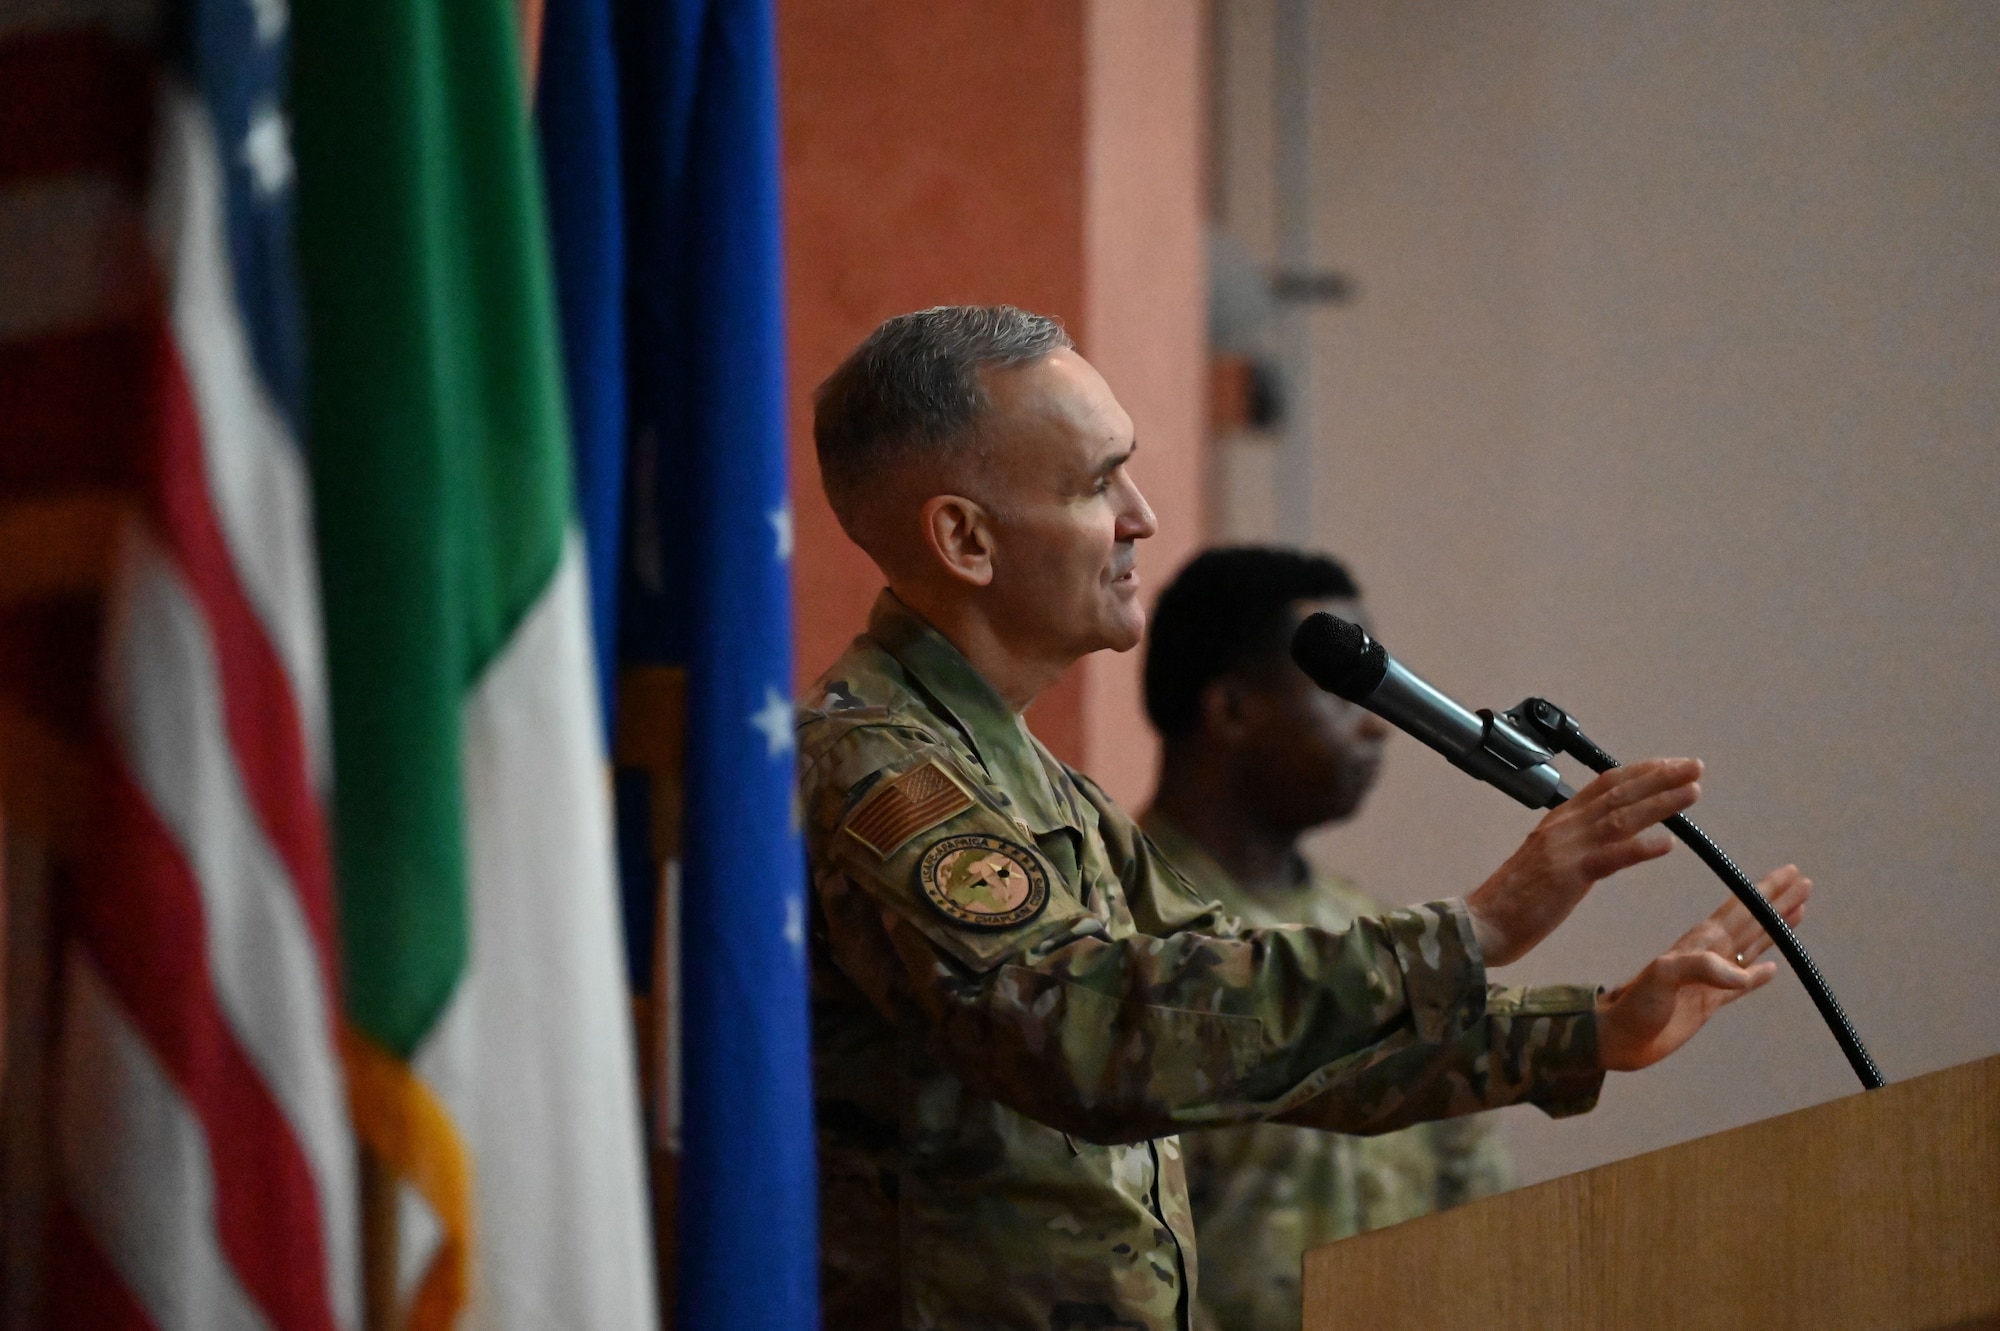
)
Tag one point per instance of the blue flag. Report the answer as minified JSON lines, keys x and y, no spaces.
{"x":708,"y":587}
{"x":576,"y":119}
{"x":576,"y":124}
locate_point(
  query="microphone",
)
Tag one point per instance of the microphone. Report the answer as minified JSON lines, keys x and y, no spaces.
{"x":1341,"y":658}
{"x":1505,"y":750}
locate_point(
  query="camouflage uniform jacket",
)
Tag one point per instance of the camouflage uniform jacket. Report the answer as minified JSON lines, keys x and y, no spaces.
{"x":1264,"y":1193}
{"x":1017,"y":1004}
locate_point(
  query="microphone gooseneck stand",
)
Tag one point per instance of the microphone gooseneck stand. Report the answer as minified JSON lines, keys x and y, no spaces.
{"x":1512,"y":751}
{"x":1561,"y":731}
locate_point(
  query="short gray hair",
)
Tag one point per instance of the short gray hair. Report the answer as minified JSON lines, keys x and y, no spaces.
{"x":912,"y":390}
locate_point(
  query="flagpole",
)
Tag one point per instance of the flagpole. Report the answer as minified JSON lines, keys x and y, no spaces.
{"x":652,"y":738}
{"x":379,"y":1241}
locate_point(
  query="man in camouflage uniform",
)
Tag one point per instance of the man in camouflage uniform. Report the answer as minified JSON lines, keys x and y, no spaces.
{"x":1253,"y":757}
{"x":1017,"y":1003}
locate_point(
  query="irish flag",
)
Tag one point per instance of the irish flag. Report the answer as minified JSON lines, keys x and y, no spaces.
{"x":487,"y":1037}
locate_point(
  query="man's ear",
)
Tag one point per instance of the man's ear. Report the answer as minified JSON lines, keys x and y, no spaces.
{"x":959,"y":533}
{"x":1222,"y":710}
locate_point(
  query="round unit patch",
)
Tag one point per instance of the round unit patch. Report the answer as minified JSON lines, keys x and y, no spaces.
{"x":984,"y":882}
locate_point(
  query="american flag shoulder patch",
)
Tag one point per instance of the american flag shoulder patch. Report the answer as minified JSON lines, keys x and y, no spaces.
{"x":918,"y":800}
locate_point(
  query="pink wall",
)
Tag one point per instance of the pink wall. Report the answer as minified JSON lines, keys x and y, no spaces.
{"x":1145,"y":301}
{"x":933,"y":154}
{"x":1041,"y":153}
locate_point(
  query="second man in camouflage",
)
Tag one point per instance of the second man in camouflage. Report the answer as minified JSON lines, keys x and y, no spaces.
{"x":1254,"y":756}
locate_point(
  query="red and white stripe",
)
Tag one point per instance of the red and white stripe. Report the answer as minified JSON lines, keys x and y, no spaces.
{"x":204,"y":1150}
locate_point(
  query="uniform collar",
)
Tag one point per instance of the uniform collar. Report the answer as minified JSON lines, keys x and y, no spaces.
{"x":1210,"y":879}
{"x":1204,"y":874}
{"x":994,"y":730}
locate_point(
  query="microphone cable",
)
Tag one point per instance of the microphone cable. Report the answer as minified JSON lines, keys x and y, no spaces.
{"x":1560,"y":729}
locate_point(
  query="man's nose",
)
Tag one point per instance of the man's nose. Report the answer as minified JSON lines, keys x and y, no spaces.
{"x":1373,"y":728}
{"x":1135,"y":520}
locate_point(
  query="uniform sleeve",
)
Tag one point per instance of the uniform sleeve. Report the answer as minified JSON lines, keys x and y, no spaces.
{"x":1115,"y":1040}
{"x":1535,"y":1046}
{"x":920,"y":835}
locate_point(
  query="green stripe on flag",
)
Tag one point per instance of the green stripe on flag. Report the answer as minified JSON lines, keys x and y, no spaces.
{"x":438,"y":446}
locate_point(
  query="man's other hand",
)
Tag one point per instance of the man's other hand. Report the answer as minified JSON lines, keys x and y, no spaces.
{"x":1611,"y":824}
{"x":1713,"y":964}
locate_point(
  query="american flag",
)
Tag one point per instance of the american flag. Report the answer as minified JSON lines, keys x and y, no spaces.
{"x":202,"y":1171}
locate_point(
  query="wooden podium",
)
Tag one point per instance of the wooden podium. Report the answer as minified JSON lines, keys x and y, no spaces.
{"x":1879,"y":1212}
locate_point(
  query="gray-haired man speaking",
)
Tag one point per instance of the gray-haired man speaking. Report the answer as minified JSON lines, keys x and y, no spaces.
{"x":1017,"y":1002}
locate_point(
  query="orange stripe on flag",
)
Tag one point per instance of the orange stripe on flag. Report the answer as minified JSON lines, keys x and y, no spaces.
{"x":404,"y":1123}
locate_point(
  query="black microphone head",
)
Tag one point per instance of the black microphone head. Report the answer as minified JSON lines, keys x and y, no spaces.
{"x":1339,"y":656}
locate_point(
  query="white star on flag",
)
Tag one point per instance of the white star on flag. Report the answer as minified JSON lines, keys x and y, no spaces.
{"x":267,"y":150}
{"x":780,"y":519}
{"x":795,"y":923}
{"x":774,"y":719}
{"x":272,"y":17}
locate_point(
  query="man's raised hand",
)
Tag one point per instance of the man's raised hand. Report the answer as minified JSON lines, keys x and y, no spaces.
{"x":1713,"y":964}
{"x":1611,"y":824}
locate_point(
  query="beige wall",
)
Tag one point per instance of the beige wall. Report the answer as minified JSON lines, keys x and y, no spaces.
{"x":1673,"y":393}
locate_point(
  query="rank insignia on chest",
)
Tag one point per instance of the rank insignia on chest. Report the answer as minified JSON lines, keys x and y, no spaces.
{"x":984,"y":882}
{"x":918,"y":800}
